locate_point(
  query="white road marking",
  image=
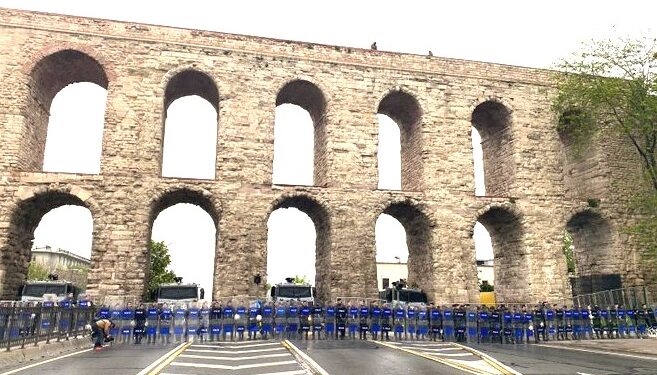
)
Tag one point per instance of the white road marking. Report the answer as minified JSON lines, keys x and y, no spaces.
{"x":44,"y":362}
{"x":595,"y":351}
{"x":235,"y":358}
{"x":309,"y":361}
{"x":432,"y":349}
{"x":449,"y":354}
{"x":235,"y":351}
{"x":583,"y":373}
{"x":231,"y":346}
{"x":228,"y":367}
{"x":293,"y":372}
{"x":425,"y":345}
{"x":159,"y":360}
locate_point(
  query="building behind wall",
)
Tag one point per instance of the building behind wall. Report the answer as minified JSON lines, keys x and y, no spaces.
{"x":68,"y":266}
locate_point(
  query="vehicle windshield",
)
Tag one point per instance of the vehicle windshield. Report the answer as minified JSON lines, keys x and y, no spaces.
{"x":293,"y":291}
{"x":412,"y":296}
{"x":178,"y":292}
{"x":38,"y":290}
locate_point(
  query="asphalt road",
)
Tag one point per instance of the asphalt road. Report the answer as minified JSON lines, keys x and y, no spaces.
{"x":120,"y":359}
{"x":534,"y":359}
{"x":365,"y":357}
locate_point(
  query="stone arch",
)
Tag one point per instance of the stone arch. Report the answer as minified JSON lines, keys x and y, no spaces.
{"x":504,"y":223}
{"x":418,"y":226}
{"x":311,"y":98}
{"x":180,"y":83}
{"x":183,"y":194}
{"x":403,"y":108}
{"x":47,"y":77}
{"x":190,"y":81}
{"x":30,"y":206}
{"x":199,"y":197}
{"x":319,"y":214}
{"x":493,"y":121}
{"x":596,"y":261}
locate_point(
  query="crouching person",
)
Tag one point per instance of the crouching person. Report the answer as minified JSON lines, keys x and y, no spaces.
{"x":101,"y":332}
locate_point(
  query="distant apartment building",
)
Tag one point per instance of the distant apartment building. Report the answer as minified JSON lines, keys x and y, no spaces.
{"x":57,"y":259}
{"x":485,"y":271}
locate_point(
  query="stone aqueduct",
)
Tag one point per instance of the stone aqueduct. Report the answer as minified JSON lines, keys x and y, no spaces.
{"x":535,"y":188}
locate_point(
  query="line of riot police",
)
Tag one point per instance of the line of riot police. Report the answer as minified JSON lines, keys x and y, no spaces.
{"x":224,"y":321}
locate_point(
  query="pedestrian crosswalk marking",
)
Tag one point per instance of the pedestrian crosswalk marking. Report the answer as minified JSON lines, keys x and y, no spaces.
{"x":432,"y":349}
{"x":232,"y":346}
{"x":228,"y":367}
{"x":234,"y":351}
{"x":293,"y":372}
{"x":449,"y":354}
{"x":235,"y":358}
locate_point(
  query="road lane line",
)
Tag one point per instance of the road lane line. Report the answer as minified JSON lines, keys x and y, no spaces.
{"x":235,"y":358}
{"x":444,"y":361}
{"x":594,"y":351}
{"x":44,"y":362}
{"x":235,"y":351}
{"x":306,"y":358}
{"x":229,"y":367}
{"x":504,"y":369}
{"x":160,"y":363}
{"x":432,"y":350}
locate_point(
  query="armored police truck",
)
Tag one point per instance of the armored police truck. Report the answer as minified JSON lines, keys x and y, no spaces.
{"x":179,"y":293}
{"x":34,"y":291}
{"x":292,"y":292}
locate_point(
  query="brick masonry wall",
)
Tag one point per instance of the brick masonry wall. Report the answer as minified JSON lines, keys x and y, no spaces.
{"x":437,"y":206}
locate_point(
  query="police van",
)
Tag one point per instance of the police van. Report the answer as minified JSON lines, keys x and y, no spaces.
{"x":35,"y":291}
{"x":179,"y":293}
{"x":292,"y":292}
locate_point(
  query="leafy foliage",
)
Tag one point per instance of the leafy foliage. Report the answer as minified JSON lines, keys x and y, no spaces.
{"x":568,"y":252}
{"x":159,"y":263}
{"x":301,"y":279}
{"x":613,"y":83}
{"x":484,"y":286}
{"x":37,"y":271}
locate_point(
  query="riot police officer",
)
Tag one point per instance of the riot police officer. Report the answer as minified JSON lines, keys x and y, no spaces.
{"x":280,"y":320}
{"x":329,"y":322}
{"x":140,"y":323}
{"x":317,"y":320}
{"x":340,"y":319}
{"x":435,"y":323}
{"x":166,"y":317}
{"x":305,"y":318}
{"x":228,"y":323}
{"x":151,"y":322}
{"x":612,"y":328}
{"x":352,"y":319}
{"x":459,"y":323}
{"x":267,"y":320}
{"x":561,"y":328}
{"x":255,"y":317}
{"x":386,"y":321}
{"x":507,"y":321}
{"x":240,"y":320}
{"x":399,"y":322}
{"x":597,"y":322}
{"x":216,"y":313}
{"x":375,"y":321}
{"x":539,"y":324}
{"x":364,"y":317}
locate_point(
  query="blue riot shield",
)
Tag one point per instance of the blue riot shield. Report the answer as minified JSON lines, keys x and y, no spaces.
{"x":329,"y":325}
{"x":471,"y":324}
{"x":484,"y":325}
{"x":448,"y":324}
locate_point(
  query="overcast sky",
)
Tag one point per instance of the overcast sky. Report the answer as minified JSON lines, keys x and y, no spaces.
{"x":522,"y":33}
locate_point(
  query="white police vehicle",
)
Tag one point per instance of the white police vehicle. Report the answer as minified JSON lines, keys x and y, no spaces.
{"x":54,"y":290}
{"x":179,"y":293}
{"x":289,"y":291}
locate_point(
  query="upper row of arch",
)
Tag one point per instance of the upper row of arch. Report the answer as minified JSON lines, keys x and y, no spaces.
{"x":56,"y":70}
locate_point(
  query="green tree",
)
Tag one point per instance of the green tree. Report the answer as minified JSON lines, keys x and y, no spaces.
{"x":300,"y":279}
{"x":159,"y":263}
{"x":484,"y":286}
{"x":37,"y":271}
{"x":613,"y":84}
